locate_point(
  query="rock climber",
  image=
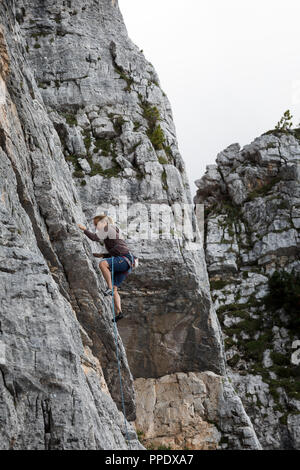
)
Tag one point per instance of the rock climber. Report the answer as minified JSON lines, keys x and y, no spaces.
{"x":119,"y":256}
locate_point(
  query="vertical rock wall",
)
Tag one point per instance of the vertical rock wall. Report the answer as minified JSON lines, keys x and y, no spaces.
{"x":118,"y":138}
{"x":87,"y":123}
{"x":53,"y":393}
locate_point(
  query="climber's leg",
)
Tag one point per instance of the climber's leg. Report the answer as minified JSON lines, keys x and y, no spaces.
{"x":117,"y":300}
{"x":104,"y":266}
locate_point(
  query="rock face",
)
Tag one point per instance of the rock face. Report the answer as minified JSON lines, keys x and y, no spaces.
{"x":53,"y":342}
{"x":252,"y":206}
{"x":192,"y":411}
{"x":118,"y":138}
{"x":84,"y":122}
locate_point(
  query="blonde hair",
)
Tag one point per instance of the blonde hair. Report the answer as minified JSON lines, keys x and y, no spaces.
{"x":104,"y":217}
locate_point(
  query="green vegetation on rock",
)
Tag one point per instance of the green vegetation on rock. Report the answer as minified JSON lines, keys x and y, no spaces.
{"x":285,"y":122}
{"x":70,"y":118}
{"x":96,"y":169}
{"x":157,"y":137}
{"x":284,"y":125}
{"x":154,"y":132}
{"x":136,"y":126}
{"x":87,"y":139}
{"x":124,"y":76}
{"x":218,"y":284}
{"x":107,"y":147}
{"x":118,"y":123}
{"x":164,"y":180}
{"x":253,"y":334}
{"x":162,"y":160}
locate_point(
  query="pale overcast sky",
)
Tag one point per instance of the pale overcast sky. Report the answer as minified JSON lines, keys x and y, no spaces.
{"x":229,"y":67}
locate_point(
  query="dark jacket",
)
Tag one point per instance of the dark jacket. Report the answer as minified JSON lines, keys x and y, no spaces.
{"x":115,"y":246}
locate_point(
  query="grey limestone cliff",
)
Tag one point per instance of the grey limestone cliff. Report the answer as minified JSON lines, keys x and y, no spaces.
{"x":85,"y":122}
{"x":56,"y":336}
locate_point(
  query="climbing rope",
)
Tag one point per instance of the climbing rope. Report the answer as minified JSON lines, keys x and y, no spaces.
{"x":117,"y":351}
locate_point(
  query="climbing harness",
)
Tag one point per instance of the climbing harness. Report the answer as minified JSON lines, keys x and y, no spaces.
{"x":117,"y":351}
{"x":133,"y":264}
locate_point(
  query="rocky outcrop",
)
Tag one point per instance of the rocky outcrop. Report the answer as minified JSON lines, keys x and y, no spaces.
{"x":84,"y":122}
{"x":192,"y":411}
{"x":252,"y":207}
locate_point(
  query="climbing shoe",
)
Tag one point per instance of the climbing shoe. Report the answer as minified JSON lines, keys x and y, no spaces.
{"x":107,"y":292}
{"x":118,"y":317}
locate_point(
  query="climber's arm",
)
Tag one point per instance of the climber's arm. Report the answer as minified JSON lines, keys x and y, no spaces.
{"x":90,"y":235}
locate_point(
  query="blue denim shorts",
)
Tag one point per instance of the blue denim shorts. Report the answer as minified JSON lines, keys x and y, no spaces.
{"x":120,"y":269}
